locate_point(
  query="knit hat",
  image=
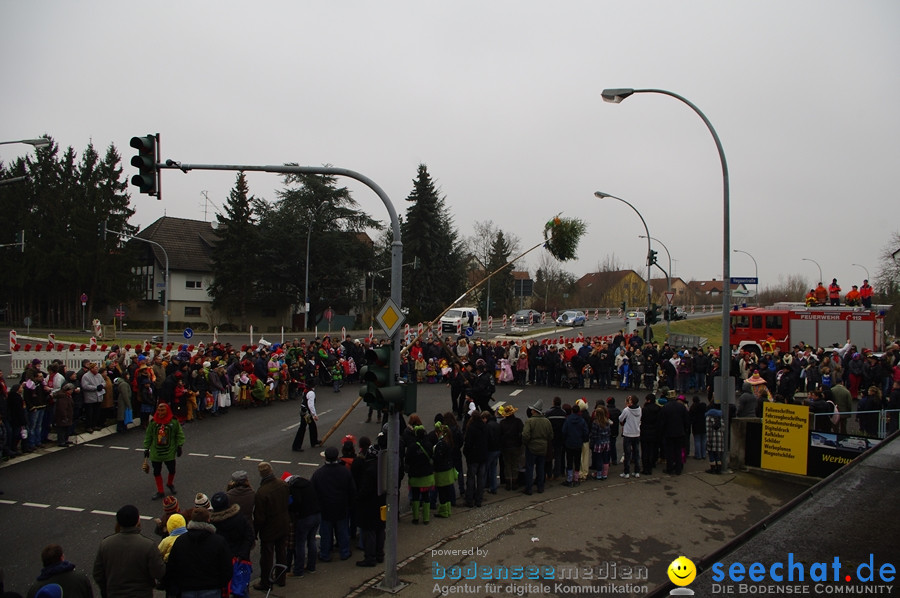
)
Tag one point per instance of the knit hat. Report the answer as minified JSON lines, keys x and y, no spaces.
{"x":219,"y":501}
{"x":265,"y":470}
{"x":239,"y":476}
{"x":201,"y":501}
{"x":331,"y":453}
{"x":174,"y":522}
{"x":170,"y":504}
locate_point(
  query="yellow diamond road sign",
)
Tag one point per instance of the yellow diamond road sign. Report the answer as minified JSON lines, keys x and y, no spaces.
{"x":390,"y":318}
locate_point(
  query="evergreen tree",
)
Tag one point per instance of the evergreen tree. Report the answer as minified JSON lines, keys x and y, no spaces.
{"x":429,"y":235}
{"x":235,"y":264}
{"x":501,"y":284}
{"x":313,"y":211}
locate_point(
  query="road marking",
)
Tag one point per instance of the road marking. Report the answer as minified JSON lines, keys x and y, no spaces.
{"x":253,"y":459}
{"x":120,"y":448}
{"x":515,"y":392}
{"x":35,"y":504}
{"x":224,"y":456}
{"x":7,"y":502}
{"x":74,"y":509}
{"x":98,"y":512}
{"x":92,"y":444}
{"x":281,"y":462}
{"x":198,"y":454}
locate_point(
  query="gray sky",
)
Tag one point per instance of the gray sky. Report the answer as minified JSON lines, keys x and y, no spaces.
{"x":502,"y":101}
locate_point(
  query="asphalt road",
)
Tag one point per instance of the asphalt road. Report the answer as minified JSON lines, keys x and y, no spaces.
{"x":70,"y":496}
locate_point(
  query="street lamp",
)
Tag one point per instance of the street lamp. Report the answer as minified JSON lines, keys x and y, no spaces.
{"x":39,"y":142}
{"x":312,"y":214}
{"x":668,"y":282}
{"x":616,"y":96}
{"x":806,"y":259}
{"x":166,"y":299}
{"x":602,"y":195}
{"x":864,"y":268}
{"x":755,"y":271}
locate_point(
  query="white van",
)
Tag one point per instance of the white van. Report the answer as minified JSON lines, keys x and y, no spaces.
{"x":460,"y":318}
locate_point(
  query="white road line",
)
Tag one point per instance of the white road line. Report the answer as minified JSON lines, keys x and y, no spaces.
{"x":224,"y":456}
{"x":515,"y":392}
{"x":74,"y":509}
{"x":253,"y":459}
{"x":92,"y":444}
{"x":35,"y":504}
{"x":7,"y":502}
{"x":281,"y":462}
{"x":97,"y":512}
{"x":198,"y":454}
{"x":120,"y":448}
{"x":309,"y":464}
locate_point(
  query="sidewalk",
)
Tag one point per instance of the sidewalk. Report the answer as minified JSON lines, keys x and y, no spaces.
{"x":611,"y":530}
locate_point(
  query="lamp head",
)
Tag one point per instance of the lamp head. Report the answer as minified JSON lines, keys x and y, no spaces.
{"x":615,"y":96}
{"x":601,"y":195}
{"x":39,"y":142}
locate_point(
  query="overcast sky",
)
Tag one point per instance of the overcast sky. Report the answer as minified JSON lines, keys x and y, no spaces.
{"x":502,"y":101}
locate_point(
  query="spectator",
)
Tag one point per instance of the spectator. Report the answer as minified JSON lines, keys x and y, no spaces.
{"x":650,"y":431}
{"x":492,"y":429}
{"x":231,"y":525}
{"x":444,"y":472}
{"x":57,"y":570}
{"x":369,"y":501}
{"x":631,"y":436}
{"x":127,"y":563}
{"x":834,"y":292}
{"x":335,"y":489}
{"x":599,"y":442}
{"x":557,"y":416}
{"x":614,"y":413}
{"x":420,"y":469}
{"x":675,"y":423}
{"x":475,"y":449}
{"x":199,"y":564}
{"x":307,"y":516}
{"x":697,"y":415}
{"x":715,"y":437}
{"x":175,"y":526}
{"x":239,"y":492}
{"x":537,"y":437}
{"x":575,"y":433}
{"x":865,"y":294}
{"x":270,"y":523}
{"x":511,"y":428}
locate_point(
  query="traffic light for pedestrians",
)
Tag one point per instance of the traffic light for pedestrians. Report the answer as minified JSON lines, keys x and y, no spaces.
{"x":624,"y":306}
{"x":146,"y":160}
{"x":653,"y":314}
{"x":162,"y":297}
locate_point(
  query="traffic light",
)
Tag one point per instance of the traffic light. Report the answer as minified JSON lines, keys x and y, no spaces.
{"x":102,"y":229}
{"x":381,"y":390}
{"x":162,"y":297}
{"x":651,"y":257}
{"x":653,"y":314}
{"x":20,"y":240}
{"x":145,"y":160}
{"x":624,"y":306}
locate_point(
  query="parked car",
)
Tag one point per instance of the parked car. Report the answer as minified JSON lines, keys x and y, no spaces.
{"x":635,"y":315}
{"x":527,"y":317}
{"x":571,"y":317}
{"x":156,"y":338}
{"x":462,"y":317}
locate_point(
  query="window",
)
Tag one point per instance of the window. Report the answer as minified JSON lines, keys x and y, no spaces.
{"x":774,"y":322}
{"x":757,"y":321}
{"x":191,"y":312}
{"x":193,"y":284}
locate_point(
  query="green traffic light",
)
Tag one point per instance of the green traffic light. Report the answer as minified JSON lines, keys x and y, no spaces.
{"x":145,"y":161}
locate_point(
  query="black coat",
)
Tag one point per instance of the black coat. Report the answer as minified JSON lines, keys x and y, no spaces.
{"x":674,"y":419}
{"x":199,"y":560}
{"x":234,"y":527}
{"x":368,"y":501}
{"x":335,"y":489}
{"x":475,"y":443}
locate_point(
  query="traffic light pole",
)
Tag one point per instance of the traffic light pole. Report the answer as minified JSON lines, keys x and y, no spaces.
{"x":391,"y":581}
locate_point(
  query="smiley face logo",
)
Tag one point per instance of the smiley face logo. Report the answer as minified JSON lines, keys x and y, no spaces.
{"x":682,"y":571}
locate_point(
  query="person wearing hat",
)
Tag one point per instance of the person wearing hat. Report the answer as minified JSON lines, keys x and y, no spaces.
{"x":335,"y":489}
{"x":511,"y":448}
{"x":674,"y":424}
{"x":231,"y":525}
{"x":170,"y":507}
{"x":834,"y":293}
{"x":175,"y":527}
{"x":852,"y":298}
{"x":537,"y":437}
{"x":271,"y":521}
{"x":445,"y":474}
{"x":746,"y":402}
{"x":199,"y":562}
{"x":241,"y":493}
{"x":127,"y":563}
{"x":865,"y":294}
{"x":420,"y":469}
{"x":163,"y":442}
{"x":58,"y":571}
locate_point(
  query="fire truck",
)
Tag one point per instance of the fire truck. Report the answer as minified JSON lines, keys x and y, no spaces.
{"x":789,"y":324}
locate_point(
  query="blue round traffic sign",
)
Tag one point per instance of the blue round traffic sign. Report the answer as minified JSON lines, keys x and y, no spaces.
{"x":188,"y":333}
{"x":469,"y":331}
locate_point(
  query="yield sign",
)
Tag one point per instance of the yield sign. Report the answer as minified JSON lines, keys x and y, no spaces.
{"x":669,"y":296}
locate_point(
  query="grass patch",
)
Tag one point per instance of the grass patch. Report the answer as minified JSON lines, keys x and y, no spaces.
{"x":710,"y":327}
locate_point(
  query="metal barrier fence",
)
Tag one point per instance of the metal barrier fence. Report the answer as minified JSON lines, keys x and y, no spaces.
{"x":873,"y":424}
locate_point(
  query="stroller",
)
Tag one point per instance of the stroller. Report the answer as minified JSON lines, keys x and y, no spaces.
{"x":570,"y":380}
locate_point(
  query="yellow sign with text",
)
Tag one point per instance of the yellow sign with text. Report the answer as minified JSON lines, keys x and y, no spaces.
{"x":785,"y":439}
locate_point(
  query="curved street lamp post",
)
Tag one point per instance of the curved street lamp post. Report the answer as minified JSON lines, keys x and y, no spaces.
{"x":806,"y":259}
{"x":602,"y":195}
{"x":668,"y":283}
{"x":755,"y":271}
{"x":726,"y":391}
